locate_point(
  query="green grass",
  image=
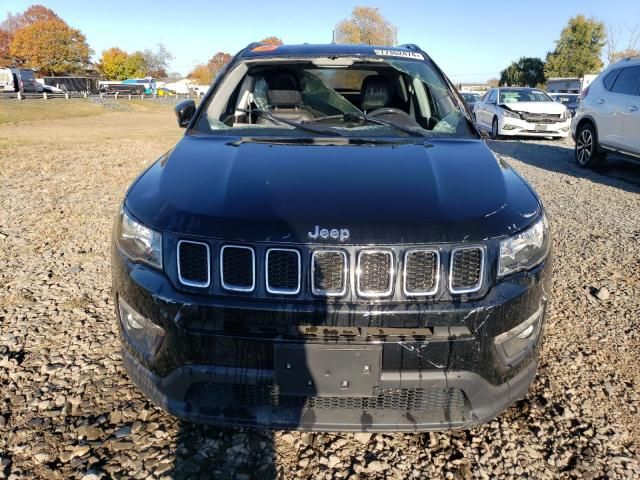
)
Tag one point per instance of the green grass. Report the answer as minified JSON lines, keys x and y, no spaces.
{"x":16,"y":111}
{"x":32,"y":110}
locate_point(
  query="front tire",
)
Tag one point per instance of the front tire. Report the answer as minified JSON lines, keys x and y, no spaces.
{"x":495,"y":129}
{"x":586,"y":150}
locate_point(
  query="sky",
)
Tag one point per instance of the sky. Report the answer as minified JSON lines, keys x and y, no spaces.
{"x":470,"y":41}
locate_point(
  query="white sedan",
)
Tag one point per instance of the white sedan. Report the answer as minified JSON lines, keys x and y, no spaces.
{"x":520,"y":111}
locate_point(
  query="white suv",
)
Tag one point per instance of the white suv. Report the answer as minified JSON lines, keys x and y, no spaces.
{"x":608,"y":119}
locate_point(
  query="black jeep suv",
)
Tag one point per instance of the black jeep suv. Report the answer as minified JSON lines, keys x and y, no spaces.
{"x":331,"y":246}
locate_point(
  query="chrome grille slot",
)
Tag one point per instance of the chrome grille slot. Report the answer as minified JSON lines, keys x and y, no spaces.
{"x":466,"y":270}
{"x":375,"y":273}
{"x":237,"y":268}
{"x":421,"y":272}
{"x":194,"y":264}
{"x":282,"y":271}
{"x":329,"y":273}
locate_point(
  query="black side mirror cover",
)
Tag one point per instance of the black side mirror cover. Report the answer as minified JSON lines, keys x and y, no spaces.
{"x":185,"y":111}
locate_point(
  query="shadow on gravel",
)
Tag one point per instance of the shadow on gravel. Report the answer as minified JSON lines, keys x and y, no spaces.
{"x":206,"y":452}
{"x":615,"y":172}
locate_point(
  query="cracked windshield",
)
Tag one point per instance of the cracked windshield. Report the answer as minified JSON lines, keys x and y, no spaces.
{"x":376,"y":97}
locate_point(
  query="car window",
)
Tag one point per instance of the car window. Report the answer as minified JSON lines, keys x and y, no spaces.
{"x":628,"y":81}
{"x":492,"y":96}
{"x":299,"y":91}
{"x":608,"y":80}
{"x":513,"y":95}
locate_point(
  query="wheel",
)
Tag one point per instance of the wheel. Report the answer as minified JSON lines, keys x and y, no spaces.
{"x":586,"y":152}
{"x":495,"y":129}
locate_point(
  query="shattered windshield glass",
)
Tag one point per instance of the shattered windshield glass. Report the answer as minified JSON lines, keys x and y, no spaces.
{"x":369,"y":97}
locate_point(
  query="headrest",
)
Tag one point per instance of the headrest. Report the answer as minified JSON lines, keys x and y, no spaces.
{"x":374,"y":93}
{"x":283,"y":89}
{"x":281,"y":98}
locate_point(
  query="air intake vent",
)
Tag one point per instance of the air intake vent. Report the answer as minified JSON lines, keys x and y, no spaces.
{"x":375,"y":273}
{"x":193,"y":264}
{"x":283,"y":271}
{"x":465,"y":274}
{"x":237,"y":268}
{"x":421,"y":272}
{"x":329,"y":273}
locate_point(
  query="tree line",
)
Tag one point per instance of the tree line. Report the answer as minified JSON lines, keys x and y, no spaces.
{"x":578,"y":52}
{"x":38,"y":38}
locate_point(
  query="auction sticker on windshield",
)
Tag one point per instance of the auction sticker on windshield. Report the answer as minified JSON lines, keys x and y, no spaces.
{"x":398,"y":53}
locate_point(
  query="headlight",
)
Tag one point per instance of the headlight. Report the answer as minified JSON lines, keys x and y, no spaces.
{"x":140,"y":243}
{"x":566,"y":114}
{"x":526,"y":249}
{"x":510,"y":114}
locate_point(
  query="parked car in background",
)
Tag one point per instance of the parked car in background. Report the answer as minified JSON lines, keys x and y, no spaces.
{"x":73,"y":84}
{"x":331,"y":246}
{"x":608,"y":119}
{"x":7,"y":82}
{"x":26,"y":80}
{"x":471,"y":98}
{"x":165,"y":92}
{"x":569,"y":100}
{"x":51,"y":89}
{"x":522,"y":111}
{"x":148,"y":84}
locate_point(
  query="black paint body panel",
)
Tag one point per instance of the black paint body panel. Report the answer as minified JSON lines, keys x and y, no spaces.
{"x":394,"y":193}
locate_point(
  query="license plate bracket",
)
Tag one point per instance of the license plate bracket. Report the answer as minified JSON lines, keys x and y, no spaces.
{"x":327,"y":370}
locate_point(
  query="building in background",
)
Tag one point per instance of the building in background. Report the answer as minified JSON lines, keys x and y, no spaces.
{"x":569,"y":84}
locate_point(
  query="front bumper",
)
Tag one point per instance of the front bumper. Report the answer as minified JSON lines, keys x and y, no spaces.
{"x":485,"y":400}
{"x":514,"y":127}
{"x":217,"y":364}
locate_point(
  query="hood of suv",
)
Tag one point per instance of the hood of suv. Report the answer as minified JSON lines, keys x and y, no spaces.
{"x":445,"y":191}
{"x":536,"y":107}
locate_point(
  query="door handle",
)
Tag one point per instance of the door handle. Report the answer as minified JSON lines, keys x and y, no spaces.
{"x":633,"y":108}
{"x":600,"y":101}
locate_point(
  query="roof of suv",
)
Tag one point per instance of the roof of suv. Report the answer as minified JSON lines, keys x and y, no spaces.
{"x":261,"y":50}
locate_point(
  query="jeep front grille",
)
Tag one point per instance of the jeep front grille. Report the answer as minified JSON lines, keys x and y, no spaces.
{"x":348,"y":272}
{"x":466,"y":271}
{"x":421,"y":272}
{"x":237,"y":268}
{"x":329,"y":273}
{"x":375,"y":273}
{"x":194,"y":264}
{"x":282,"y":271}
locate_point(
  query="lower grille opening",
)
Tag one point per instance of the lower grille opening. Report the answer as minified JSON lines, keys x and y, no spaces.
{"x":466,"y":270}
{"x":223,"y":395}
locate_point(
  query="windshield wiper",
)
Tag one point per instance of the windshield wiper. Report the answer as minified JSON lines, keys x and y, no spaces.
{"x":281,"y":121}
{"x":363,"y":117}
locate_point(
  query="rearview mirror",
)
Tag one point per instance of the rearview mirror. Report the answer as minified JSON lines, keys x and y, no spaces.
{"x":185,"y":112}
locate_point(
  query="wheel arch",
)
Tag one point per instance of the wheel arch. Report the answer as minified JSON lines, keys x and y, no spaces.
{"x":588,"y":120}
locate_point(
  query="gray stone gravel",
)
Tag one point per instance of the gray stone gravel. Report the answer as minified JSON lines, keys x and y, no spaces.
{"x":69,"y":411}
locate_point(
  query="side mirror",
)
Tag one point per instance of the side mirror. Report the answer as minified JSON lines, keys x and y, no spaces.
{"x":185,"y":112}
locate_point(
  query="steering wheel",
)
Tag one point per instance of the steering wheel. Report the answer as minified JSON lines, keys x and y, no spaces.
{"x":394,"y":111}
{"x":389,"y":111}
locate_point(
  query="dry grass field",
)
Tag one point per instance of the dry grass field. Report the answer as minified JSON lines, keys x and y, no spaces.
{"x":68,"y":410}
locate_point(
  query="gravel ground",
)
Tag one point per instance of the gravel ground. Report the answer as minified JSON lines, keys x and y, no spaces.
{"x":69,"y":411}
